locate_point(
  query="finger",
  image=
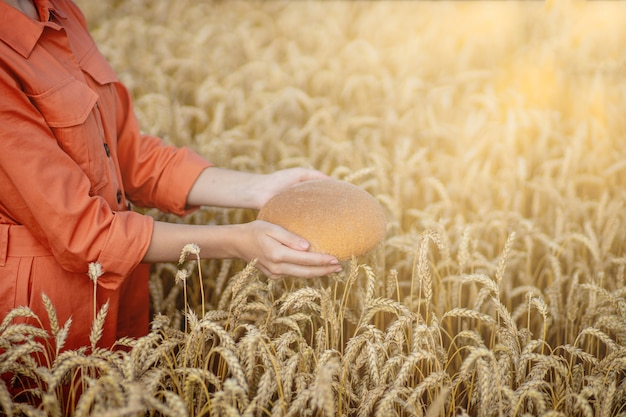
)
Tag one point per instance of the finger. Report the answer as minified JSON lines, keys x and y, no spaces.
{"x":304,"y":264}
{"x":313,"y":174}
{"x":278,"y":271}
{"x":304,"y":174}
{"x":309,"y":259}
{"x":286,"y":238}
{"x":291,"y":256}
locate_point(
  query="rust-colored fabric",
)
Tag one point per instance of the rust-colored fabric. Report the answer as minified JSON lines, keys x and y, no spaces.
{"x":72,"y":159}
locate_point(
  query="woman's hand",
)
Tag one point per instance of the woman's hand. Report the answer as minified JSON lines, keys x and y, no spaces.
{"x":272,"y":184}
{"x":280,"y":253}
{"x":277,"y":251}
{"x":227,"y":188}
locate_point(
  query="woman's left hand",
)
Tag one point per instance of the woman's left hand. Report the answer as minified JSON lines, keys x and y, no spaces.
{"x":227,"y":188}
{"x":274,"y":183}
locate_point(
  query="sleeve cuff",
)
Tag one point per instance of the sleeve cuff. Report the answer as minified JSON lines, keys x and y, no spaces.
{"x":180,"y":183}
{"x":125,"y":247}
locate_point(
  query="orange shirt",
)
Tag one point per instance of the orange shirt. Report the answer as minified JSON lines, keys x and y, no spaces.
{"x":71,"y":159}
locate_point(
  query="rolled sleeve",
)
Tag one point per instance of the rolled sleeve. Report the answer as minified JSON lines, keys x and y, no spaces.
{"x":180,"y":180}
{"x":154,"y":175}
{"x":158,"y":176}
{"x":127,"y":241}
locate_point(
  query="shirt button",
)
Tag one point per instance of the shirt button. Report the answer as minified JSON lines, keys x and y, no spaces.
{"x":119,"y":196}
{"x":107,"y":149}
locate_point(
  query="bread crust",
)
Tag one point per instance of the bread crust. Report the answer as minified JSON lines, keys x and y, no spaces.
{"x":336,"y":217}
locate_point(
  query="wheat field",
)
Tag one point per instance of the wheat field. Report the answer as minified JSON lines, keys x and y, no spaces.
{"x":492,"y":135}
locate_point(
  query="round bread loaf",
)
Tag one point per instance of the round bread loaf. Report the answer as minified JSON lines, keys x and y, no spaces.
{"x":335,"y":217}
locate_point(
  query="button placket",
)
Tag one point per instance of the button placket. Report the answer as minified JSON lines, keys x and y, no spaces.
{"x":98,"y":115}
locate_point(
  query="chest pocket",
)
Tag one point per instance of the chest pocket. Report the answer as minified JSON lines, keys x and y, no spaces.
{"x":70,"y":110}
{"x":73,"y":112}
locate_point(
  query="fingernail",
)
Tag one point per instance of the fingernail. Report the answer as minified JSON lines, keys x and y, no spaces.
{"x":334,"y":262}
{"x":338,"y":269}
{"x":304,"y":244}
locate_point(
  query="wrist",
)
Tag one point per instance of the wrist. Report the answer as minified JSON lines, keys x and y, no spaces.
{"x":226,"y":241}
{"x":220,"y":187}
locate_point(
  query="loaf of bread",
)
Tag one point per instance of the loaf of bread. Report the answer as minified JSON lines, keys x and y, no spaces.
{"x":335,"y":217}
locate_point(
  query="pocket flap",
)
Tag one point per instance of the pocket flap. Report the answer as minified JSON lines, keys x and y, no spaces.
{"x":67,"y":104}
{"x":94,"y":64}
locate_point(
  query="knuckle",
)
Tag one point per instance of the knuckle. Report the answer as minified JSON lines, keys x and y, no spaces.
{"x":274,"y":258}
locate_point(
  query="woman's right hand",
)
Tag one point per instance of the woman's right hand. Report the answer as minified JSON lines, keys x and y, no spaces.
{"x":280,"y":253}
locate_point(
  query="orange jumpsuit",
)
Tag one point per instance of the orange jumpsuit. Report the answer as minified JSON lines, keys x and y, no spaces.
{"x":72,"y":159}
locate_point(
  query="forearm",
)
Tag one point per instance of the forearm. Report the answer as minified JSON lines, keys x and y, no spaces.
{"x":226,"y":188}
{"x":168,"y":239}
{"x":277,"y":251}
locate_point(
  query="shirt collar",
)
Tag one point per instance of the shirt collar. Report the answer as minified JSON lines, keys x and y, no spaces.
{"x":22,"y":33}
{"x":46,"y":9}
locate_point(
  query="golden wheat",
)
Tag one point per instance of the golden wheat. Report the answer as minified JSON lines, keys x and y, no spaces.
{"x":490,"y":134}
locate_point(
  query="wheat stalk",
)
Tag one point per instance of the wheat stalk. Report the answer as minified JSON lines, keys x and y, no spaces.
{"x":97,"y":326}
